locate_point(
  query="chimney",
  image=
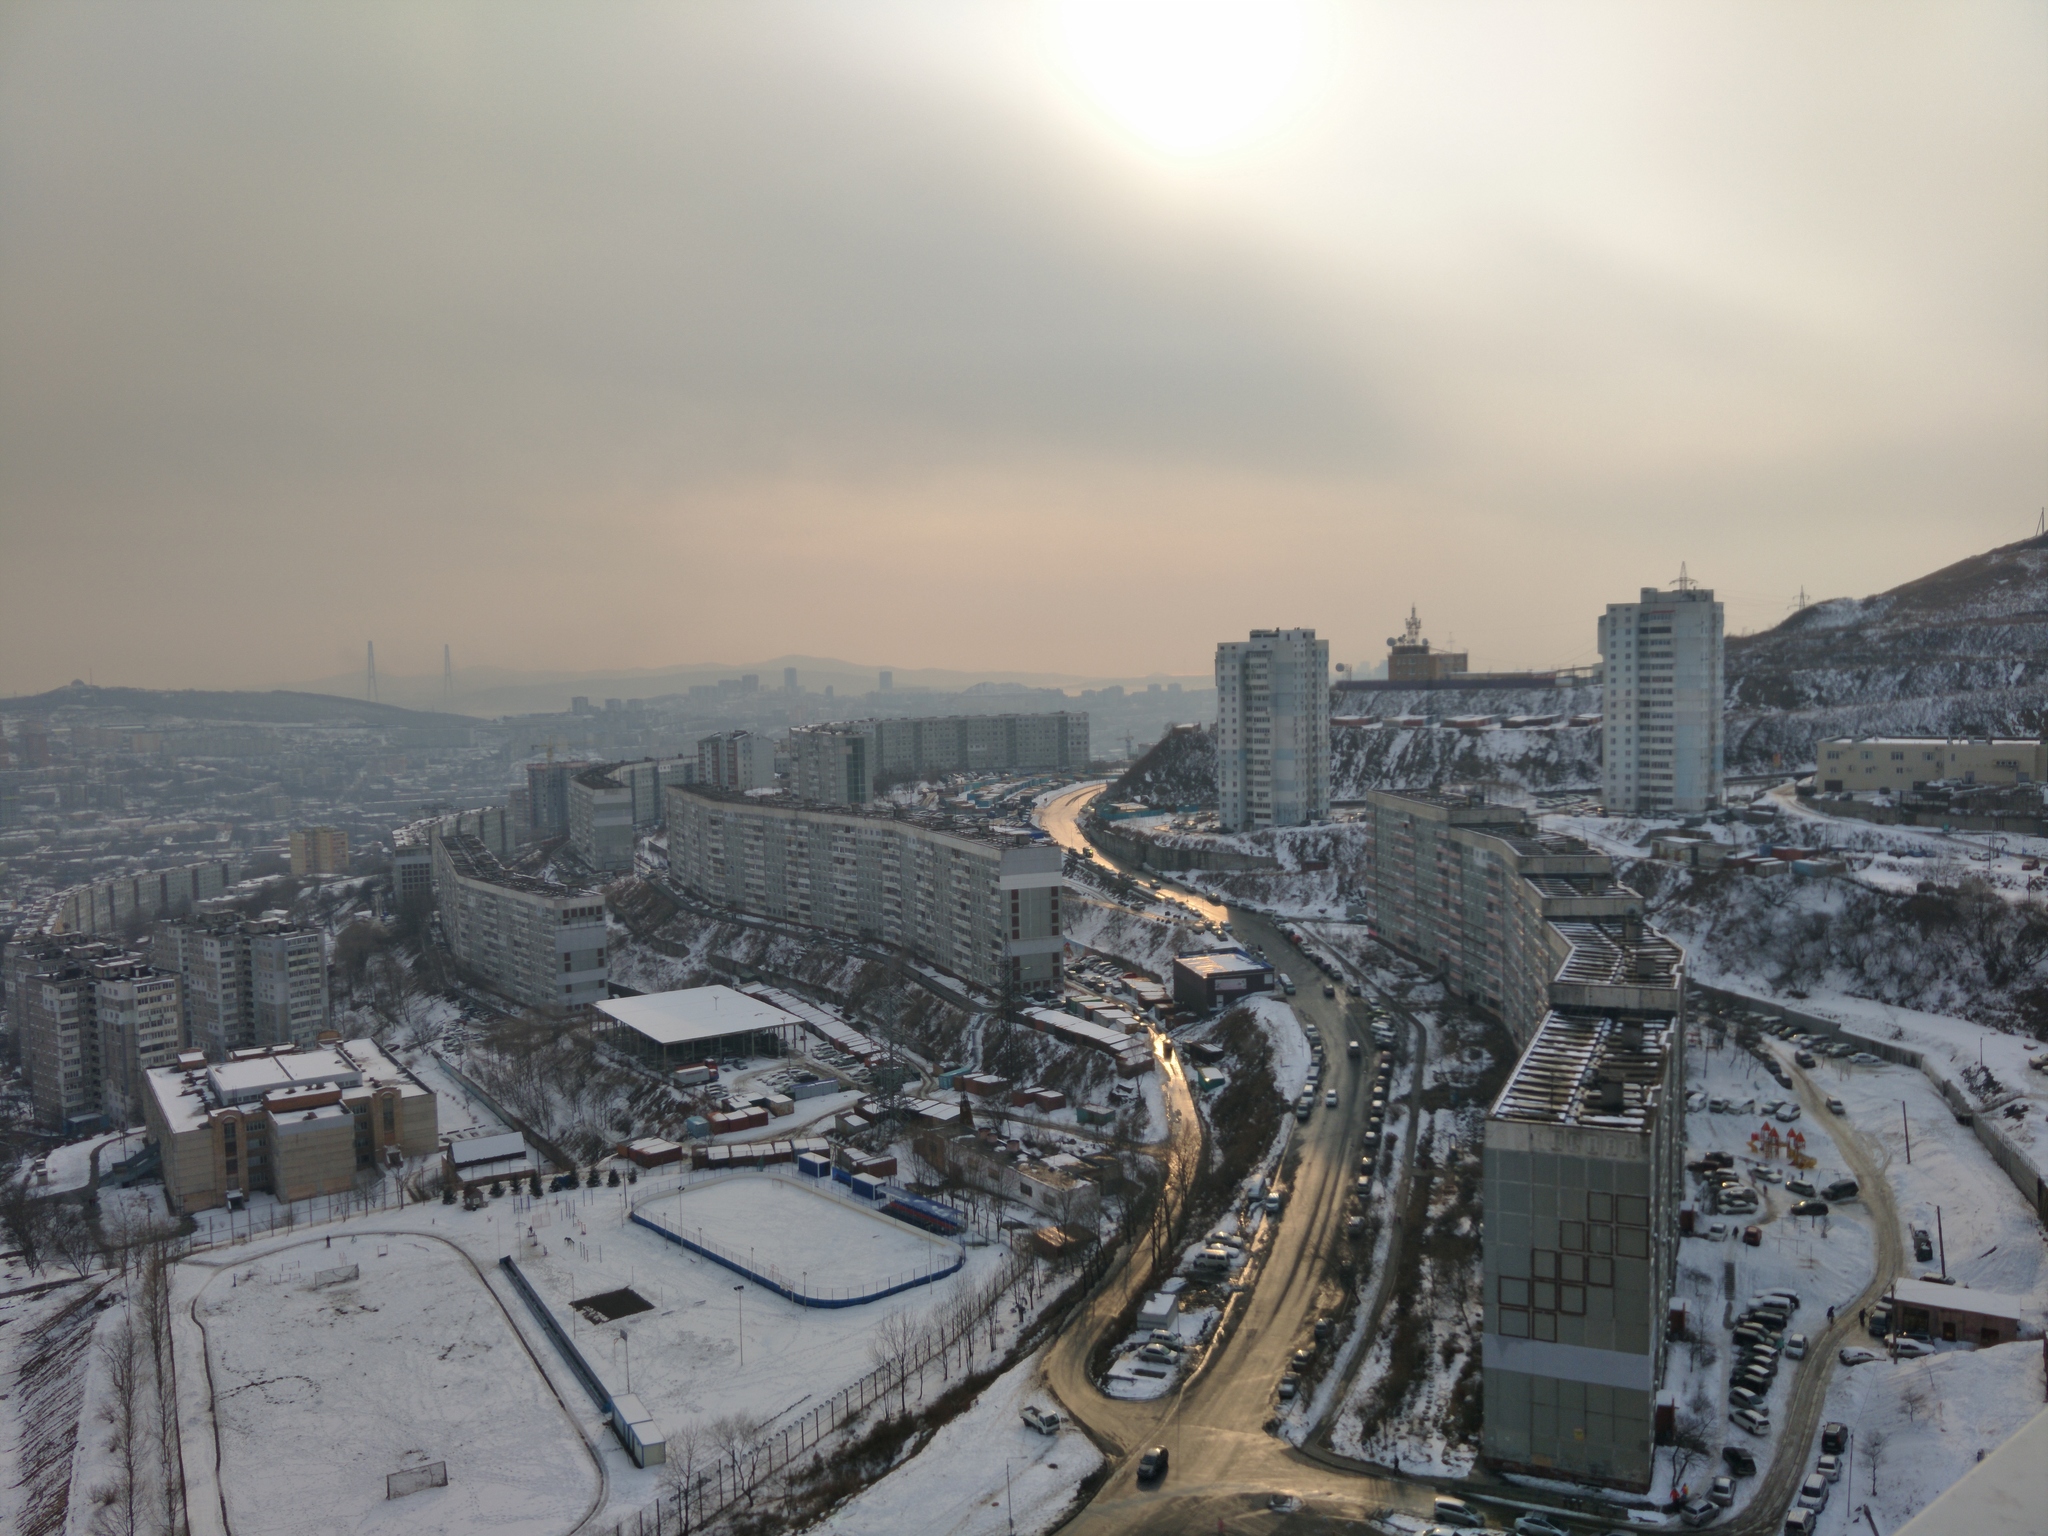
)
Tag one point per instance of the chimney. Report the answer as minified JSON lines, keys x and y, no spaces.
{"x":1609,"y":1095}
{"x":1632,"y":1035}
{"x":1632,"y":928}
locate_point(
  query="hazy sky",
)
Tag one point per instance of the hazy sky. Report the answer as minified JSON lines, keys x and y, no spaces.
{"x":994,"y":336}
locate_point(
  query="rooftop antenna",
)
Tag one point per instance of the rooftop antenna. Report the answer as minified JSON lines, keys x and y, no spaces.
{"x":447,"y":678}
{"x":1413,"y":628}
{"x":372,"y":672}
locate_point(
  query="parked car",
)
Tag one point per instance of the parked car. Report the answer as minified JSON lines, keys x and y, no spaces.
{"x":1802,"y":1187}
{"x":1746,"y":1397}
{"x":1748,"y":1419}
{"x":1701,"y":1511}
{"x":1795,"y":1346}
{"x":1787,"y":1111}
{"x":1456,"y":1512}
{"x":1813,"y":1493}
{"x":1810,"y":1208}
{"x":1834,"y":1437}
{"x":1801,"y":1522}
{"x":1288,"y":1387}
{"x":1723,"y":1491}
{"x":1866,"y":1059}
{"x":1354,"y":1229}
{"x":1880,"y":1322}
{"x":1040,"y":1419}
{"x":1534,"y":1524}
{"x":1805,"y":1058}
{"x":1829,"y":1467}
{"x":1840,"y":1190}
{"x":1923,"y":1245}
{"x":1152,"y":1465}
{"x":1911,"y":1349}
{"x":1859,"y":1356}
{"x":1739,"y":1461}
{"x":1754,"y":1236}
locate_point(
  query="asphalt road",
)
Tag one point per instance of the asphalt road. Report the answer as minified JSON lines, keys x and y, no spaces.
{"x":1796,"y":1442}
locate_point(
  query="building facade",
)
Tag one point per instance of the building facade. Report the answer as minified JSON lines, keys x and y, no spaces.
{"x":1410,"y":660}
{"x":247,"y":981}
{"x":1662,"y":691}
{"x":979,"y":904}
{"x":541,"y":944}
{"x":291,"y":1123}
{"x":1583,"y":1162}
{"x":1906,"y":763}
{"x":91,"y":1018}
{"x":610,"y":806}
{"x":115,"y":906}
{"x":319,"y":851}
{"x":737,"y":760}
{"x":1273,"y":730}
{"x":840,"y":764}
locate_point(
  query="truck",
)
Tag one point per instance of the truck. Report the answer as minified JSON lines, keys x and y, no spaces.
{"x":1040,"y":1419}
{"x":1287,"y":984}
{"x":695,"y":1075}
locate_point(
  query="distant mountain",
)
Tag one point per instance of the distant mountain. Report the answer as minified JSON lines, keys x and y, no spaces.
{"x":1963,"y":651}
{"x":278,"y":707}
{"x":492,"y":691}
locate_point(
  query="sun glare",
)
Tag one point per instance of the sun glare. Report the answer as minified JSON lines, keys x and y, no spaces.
{"x":1188,"y":77}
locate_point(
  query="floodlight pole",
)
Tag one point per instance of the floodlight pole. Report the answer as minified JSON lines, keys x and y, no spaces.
{"x":741,"y":1291}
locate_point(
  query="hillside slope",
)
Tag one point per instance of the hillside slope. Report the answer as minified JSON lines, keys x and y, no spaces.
{"x":277,"y":707}
{"x":1961,"y":651}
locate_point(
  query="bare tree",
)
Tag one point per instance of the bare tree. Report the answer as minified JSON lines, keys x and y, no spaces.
{"x":894,"y":1339}
{"x":736,"y":1440}
{"x":119,"y":1512}
{"x":1873,"y":1452}
{"x":680,"y":1473}
{"x":26,"y":1221}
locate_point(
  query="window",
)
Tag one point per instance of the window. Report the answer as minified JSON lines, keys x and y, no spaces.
{"x":1632,"y":1210}
{"x":1632,"y":1243}
{"x":1599,"y":1206}
{"x":1571,"y":1234}
{"x":1513,"y":1292}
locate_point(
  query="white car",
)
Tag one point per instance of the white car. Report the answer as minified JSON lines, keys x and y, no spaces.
{"x":1860,"y":1357}
{"x":1813,"y":1493}
{"x":1752,"y":1421}
{"x":1911,"y":1349}
{"x":1795,"y":1346}
{"x":1865,"y":1059}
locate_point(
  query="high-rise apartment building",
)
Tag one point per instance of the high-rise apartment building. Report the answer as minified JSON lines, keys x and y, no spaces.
{"x":539,"y":943}
{"x":1584,"y":1146}
{"x":610,"y":806}
{"x":736,"y":760}
{"x":247,"y":981}
{"x":980,"y":904}
{"x":835,"y":764}
{"x":319,"y":851}
{"x":1273,"y":730}
{"x":547,"y":797}
{"x":1662,"y":690}
{"x":91,"y":1019}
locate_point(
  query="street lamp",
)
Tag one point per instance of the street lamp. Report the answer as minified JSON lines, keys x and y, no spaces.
{"x":741,"y":1291}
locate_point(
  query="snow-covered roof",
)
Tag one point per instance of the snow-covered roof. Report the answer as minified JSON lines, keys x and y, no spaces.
{"x":486,"y":1149}
{"x":696,"y":1013}
{"x":2000,"y":1493}
{"x":1935,"y":1296}
{"x":239,"y":1082}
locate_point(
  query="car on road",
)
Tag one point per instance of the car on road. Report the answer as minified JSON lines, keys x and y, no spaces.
{"x":1835,"y":1107}
{"x":1330,"y":1099}
{"x":1152,"y":1465}
{"x":1805,"y":1058}
{"x":1535,"y":1524}
{"x":1738,"y":1461}
{"x":1911,"y":1349}
{"x":1923,"y":1245}
{"x":1859,"y":1356}
{"x":1810,"y":1208}
{"x":1329,"y":990}
{"x":1288,"y":1388}
{"x":1802,"y":1187}
{"x":1749,"y":1420}
{"x":1840,"y":1190}
{"x":1456,"y":1512}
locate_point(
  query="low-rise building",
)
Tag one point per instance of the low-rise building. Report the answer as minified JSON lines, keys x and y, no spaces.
{"x":290,"y":1123}
{"x":1905,"y":763}
{"x":480,"y":1161}
{"x":1224,"y":976}
{"x":541,"y":944}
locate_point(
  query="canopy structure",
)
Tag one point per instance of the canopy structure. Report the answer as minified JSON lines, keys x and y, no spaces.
{"x":699,"y":1024}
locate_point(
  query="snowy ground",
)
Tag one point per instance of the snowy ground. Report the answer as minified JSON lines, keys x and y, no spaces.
{"x":800,"y":1236}
{"x":70,"y":1166}
{"x":319,"y":1393}
{"x":981,"y":1472}
{"x":1927,"y":1421}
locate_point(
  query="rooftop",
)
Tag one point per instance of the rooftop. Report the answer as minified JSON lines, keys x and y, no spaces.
{"x":1607,"y":953}
{"x":187,"y":1094}
{"x":1586,"y":1070}
{"x":473,"y":861}
{"x":1222,"y":962}
{"x":1932,"y":1294}
{"x":696,"y":1013}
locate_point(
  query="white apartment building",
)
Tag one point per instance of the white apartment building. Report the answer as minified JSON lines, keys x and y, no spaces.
{"x":1273,"y":729}
{"x":1662,"y":693}
{"x":539,"y":943}
{"x":736,"y":760}
{"x":839,"y":764}
{"x":980,"y":904}
{"x":91,"y":1019}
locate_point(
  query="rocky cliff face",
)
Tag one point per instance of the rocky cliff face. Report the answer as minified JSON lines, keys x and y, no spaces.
{"x":1963,"y":651}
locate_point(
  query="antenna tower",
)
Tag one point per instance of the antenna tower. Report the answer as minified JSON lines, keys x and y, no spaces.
{"x":447,"y":679}
{"x":1685,"y":581}
{"x":372,"y":672}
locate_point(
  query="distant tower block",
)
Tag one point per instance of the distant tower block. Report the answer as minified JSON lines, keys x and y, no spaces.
{"x":447,"y":678}
{"x":372,"y":670}
{"x":789,"y":679}
{"x":888,"y":680}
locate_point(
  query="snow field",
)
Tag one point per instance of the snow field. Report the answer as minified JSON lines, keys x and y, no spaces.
{"x":956,"y":1486}
{"x":811,"y":1240}
{"x":318,"y":1394}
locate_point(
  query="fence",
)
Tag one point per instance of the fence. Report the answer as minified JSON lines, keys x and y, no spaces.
{"x":433,"y":1475}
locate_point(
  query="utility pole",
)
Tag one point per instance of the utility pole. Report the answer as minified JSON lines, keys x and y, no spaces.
{"x":1909,"y":1132}
{"x":741,"y":1290}
{"x":1940,"y":1238}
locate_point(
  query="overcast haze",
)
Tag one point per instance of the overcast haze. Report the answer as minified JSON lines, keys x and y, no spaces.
{"x":631,"y":336}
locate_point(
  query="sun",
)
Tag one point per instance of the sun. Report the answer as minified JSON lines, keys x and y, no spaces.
{"x":1188,"y":77}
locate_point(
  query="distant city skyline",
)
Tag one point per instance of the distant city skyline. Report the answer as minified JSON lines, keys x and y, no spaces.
{"x":993,"y":337}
